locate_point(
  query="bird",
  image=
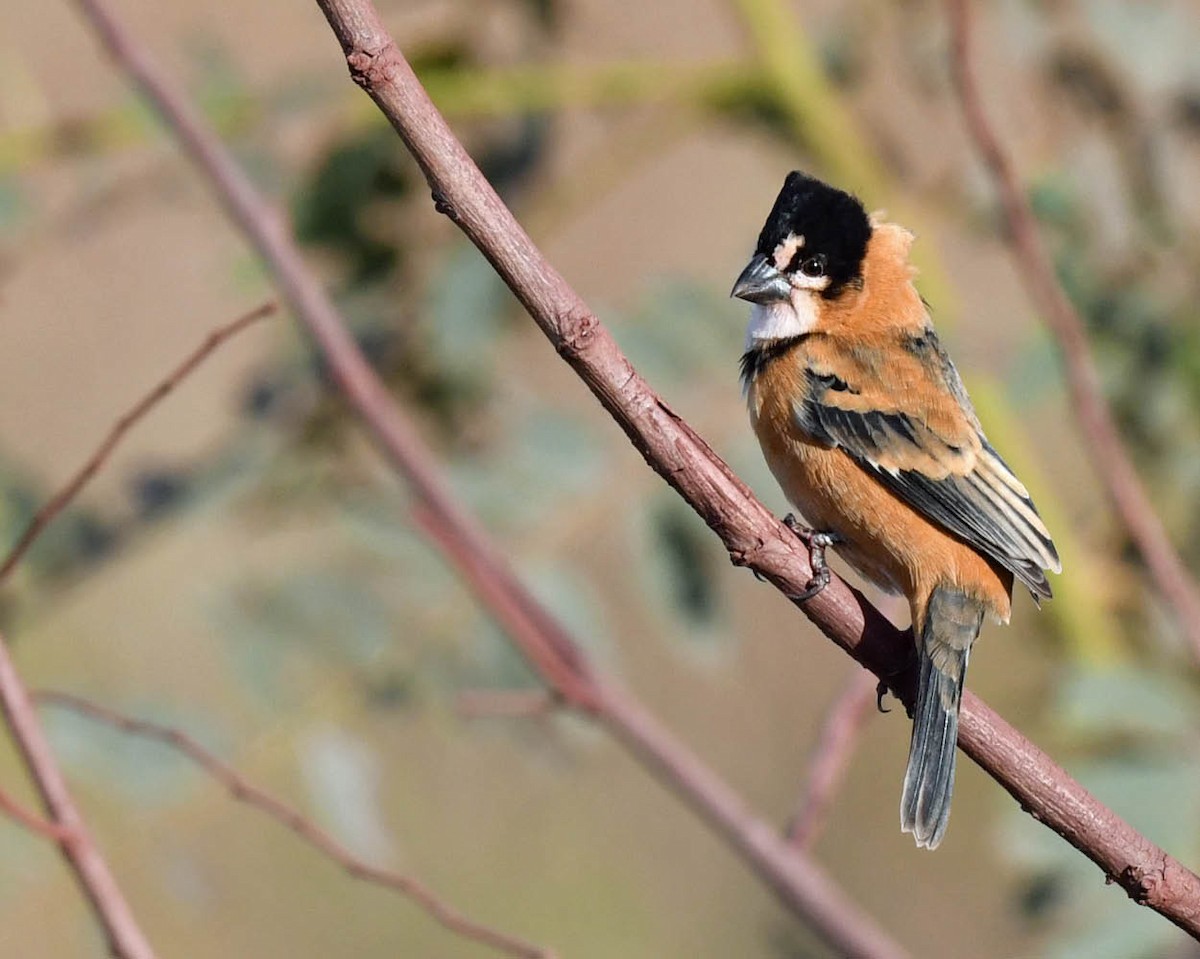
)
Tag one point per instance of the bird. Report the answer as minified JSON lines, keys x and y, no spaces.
{"x":865,"y":423}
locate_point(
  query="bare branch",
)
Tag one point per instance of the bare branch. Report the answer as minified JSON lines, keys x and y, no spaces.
{"x":60,"y":500}
{"x":792,"y":875}
{"x":246,"y":792}
{"x":31,"y":820}
{"x":1110,"y":459}
{"x":831,"y":756}
{"x":79,"y":849}
{"x":753,"y":536}
{"x":797,"y":881}
{"x":125,"y":938}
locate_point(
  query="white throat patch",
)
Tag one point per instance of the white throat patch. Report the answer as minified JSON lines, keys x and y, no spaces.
{"x":783,"y":320}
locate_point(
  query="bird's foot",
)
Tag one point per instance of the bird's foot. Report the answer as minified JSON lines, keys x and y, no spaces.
{"x":887,"y":681}
{"x":817,"y":542}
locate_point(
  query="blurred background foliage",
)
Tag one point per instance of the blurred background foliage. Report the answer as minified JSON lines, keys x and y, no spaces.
{"x":248,"y":570}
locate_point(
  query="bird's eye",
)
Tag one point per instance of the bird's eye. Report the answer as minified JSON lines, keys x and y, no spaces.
{"x":813,"y":267}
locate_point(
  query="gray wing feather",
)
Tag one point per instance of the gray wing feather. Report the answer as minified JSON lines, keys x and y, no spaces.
{"x":986,"y":505}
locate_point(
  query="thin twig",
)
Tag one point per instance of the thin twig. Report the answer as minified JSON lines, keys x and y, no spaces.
{"x":60,"y":500}
{"x":244,"y":791}
{"x":831,"y":756}
{"x":1110,"y":458}
{"x":31,"y":820}
{"x":79,"y":849}
{"x":795,"y":879}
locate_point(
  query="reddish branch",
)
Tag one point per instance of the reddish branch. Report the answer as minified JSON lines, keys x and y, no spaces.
{"x":246,"y":792}
{"x":31,"y":820}
{"x":831,"y":757}
{"x":66,"y":827}
{"x":59,"y":501}
{"x":793,"y":877}
{"x":543,"y":641}
{"x":1110,"y":459}
{"x":752,"y":535}
{"x":79,"y":849}
{"x":238,"y":787}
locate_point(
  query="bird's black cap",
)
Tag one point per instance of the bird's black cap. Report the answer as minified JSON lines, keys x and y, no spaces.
{"x":831,"y":221}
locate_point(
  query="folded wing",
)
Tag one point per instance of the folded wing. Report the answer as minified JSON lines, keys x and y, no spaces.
{"x":924,"y":443}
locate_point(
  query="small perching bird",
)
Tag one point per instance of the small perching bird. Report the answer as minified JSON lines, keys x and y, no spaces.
{"x":866,"y":425}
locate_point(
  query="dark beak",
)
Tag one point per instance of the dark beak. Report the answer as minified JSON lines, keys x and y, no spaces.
{"x":761,"y":282}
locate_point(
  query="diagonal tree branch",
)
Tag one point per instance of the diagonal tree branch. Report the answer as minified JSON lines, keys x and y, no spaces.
{"x":752,"y":535}
{"x":60,"y":500}
{"x":795,"y":879}
{"x":246,"y":792}
{"x":125,"y":938}
{"x":1110,"y":459}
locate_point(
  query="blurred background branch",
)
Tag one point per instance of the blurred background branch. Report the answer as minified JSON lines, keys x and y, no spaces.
{"x":67,"y":827}
{"x":30,"y":820}
{"x":1110,"y":460}
{"x":544,"y":642}
{"x":243,"y":571}
{"x":246,"y":792}
{"x":83,"y":857}
{"x":62,"y":499}
{"x":831,"y":757}
{"x":752,"y":536}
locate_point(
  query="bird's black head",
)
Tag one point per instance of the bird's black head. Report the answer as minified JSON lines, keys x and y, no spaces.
{"x":815,"y":236}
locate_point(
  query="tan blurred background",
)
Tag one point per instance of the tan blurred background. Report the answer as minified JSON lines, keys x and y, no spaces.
{"x":244,"y":568}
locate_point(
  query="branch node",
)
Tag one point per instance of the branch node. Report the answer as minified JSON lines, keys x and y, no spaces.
{"x":371,"y":68}
{"x":748,"y":557}
{"x":577,"y":331}
{"x":443,"y":205}
{"x":1142,"y":883}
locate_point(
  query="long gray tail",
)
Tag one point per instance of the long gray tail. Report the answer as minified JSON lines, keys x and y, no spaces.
{"x":951,"y":624}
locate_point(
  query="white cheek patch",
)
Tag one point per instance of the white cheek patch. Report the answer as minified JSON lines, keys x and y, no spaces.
{"x":814,"y":284}
{"x":781,"y":321}
{"x":782,"y":257}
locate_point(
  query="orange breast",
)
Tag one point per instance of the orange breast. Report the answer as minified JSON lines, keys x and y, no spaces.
{"x":885,"y":539}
